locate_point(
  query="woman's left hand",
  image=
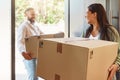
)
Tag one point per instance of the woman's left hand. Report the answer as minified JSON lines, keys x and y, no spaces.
{"x":112,"y":70}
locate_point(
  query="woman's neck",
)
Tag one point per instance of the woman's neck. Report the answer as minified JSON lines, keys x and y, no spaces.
{"x":96,"y":26}
{"x":95,"y":30}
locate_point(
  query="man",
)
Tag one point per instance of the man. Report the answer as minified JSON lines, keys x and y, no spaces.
{"x":26,"y":29}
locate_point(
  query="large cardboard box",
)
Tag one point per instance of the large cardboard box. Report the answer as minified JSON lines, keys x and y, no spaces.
{"x":75,"y":59}
{"x":32,"y":42}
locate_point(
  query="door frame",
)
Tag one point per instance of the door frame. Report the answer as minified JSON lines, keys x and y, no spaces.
{"x":12,"y":39}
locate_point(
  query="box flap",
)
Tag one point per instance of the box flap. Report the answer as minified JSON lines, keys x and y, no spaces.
{"x":84,"y":42}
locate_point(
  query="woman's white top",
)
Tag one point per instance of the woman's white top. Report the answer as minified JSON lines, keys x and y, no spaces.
{"x":94,"y":37}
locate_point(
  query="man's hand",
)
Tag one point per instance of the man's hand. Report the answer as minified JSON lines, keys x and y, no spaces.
{"x":27,"y":55}
{"x":112,"y":70}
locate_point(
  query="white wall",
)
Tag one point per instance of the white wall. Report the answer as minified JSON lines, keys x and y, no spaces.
{"x":88,"y":2}
{"x":5,"y":39}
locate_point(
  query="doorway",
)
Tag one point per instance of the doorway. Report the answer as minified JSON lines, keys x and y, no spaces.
{"x":50,"y":15}
{"x":113,"y":12}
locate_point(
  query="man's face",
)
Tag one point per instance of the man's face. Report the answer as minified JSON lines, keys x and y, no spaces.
{"x":31,"y":15}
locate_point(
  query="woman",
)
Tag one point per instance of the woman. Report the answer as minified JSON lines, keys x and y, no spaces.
{"x":101,"y":29}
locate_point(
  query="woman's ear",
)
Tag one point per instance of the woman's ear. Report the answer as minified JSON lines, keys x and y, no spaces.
{"x":95,"y":14}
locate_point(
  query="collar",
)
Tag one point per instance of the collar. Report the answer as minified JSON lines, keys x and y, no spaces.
{"x":30,"y":22}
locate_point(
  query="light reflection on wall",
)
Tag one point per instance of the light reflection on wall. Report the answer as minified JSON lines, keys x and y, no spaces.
{"x":5,"y":40}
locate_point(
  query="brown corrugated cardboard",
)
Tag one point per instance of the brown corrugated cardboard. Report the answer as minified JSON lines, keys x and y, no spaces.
{"x":32,"y":42}
{"x":75,"y":59}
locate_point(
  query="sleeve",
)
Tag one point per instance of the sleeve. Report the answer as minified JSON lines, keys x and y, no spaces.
{"x":116,"y":39}
{"x":40,"y":31}
{"x":38,"y":28}
{"x":21,"y":33}
{"x":117,"y":61}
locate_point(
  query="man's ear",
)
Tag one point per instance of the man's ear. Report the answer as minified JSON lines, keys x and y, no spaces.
{"x":26,"y":14}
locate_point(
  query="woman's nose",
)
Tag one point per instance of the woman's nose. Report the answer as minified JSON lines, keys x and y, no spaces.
{"x":85,"y":15}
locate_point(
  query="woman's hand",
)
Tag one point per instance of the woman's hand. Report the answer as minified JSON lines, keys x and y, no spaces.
{"x":27,"y":55}
{"x":112,"y":70}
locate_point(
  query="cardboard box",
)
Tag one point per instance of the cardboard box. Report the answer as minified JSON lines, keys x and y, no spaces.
{"x":75,"y":59}
{"x":32,"y":43}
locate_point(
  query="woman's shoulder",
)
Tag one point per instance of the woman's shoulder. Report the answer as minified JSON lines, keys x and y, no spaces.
{"x":113,"y":32}
{"x":112,"y":29}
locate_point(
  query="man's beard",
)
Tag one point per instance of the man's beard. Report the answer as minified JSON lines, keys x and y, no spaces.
{"x":31,"y":20}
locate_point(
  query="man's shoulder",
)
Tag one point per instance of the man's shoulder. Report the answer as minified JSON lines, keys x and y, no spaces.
{"x":24,"y":24}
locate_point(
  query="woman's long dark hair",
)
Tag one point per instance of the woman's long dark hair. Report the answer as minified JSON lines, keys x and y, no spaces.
{"x":102,"y":21}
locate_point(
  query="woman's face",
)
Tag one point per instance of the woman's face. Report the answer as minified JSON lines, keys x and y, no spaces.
{"x":91,"y":17}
